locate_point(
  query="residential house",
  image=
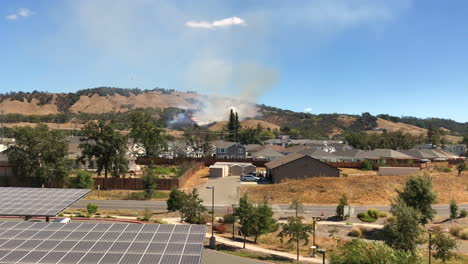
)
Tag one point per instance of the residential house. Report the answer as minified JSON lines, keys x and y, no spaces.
{"x":299,"y":166}
{"x":294,"y":149}
{"x":230,"y":150}
{"x":266,"y":154}
{"x":319,"y":154}
{"x":457,"y":149}
{"x":276,"y":148}
{"x":390,"y":154}
{"x":354,"y":155}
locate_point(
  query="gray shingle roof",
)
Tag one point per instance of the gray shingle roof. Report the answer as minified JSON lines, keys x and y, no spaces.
{"x":267,"y":152}
{"x":316,"y":153}
{"x":390,"y":154}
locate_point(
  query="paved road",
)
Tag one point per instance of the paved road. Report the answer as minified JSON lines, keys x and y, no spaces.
{"x":226,"y":189}
{"x":215,"y":257}
{"x":280,"y":209}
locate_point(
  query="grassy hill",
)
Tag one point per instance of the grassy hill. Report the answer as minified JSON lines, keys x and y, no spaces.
{"x":114,"y":104}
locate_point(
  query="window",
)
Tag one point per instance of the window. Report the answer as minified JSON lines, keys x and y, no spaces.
{"x":240,"y":150}
{"x":240,"y":157}
{"x":222,"y":150}
{"x":233,"y":157}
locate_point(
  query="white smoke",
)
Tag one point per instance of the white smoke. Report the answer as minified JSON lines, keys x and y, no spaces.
{"x":236,"y":86}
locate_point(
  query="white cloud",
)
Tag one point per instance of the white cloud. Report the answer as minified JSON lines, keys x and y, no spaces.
{"x":12,"y":17}
{"x":21,"y":12}
{"x":308,"y":110}
{"x":227,"y":22}
{"x":24,"y":12}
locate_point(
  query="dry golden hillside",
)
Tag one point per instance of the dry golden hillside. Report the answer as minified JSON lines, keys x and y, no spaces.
{"x":413,"y":130}
{"x":361,"y":190}
{"x":218,"y":126}
{"x":103,"y":104}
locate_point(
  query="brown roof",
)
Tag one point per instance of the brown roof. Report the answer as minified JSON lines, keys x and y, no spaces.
{"x":286,"y":159}
{"x":273,"y":147}
{"x":295,"y":149}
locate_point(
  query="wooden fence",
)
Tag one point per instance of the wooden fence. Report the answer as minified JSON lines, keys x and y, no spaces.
{"x":345,"y":164}
{"x":137,"y":184}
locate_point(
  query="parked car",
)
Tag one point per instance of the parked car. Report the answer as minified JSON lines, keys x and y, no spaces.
{"x":248,"y":177}
{"x":62,"y":220}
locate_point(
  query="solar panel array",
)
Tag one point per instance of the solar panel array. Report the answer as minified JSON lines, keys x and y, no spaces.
{"x":101,"y":243}
{"x":37,"y":201}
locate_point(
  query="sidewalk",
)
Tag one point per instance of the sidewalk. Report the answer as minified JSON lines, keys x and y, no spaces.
{"x":237,"y":244}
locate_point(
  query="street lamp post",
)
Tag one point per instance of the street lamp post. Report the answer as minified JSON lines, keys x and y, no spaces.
{"x":314,"y":248}
{"x":430,"y":244}
{"x":322,"y":251}
{"x":212,"y":238}
{"x":233,"y":221}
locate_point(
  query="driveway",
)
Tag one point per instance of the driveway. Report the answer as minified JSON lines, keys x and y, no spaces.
{"x":226,"y":190}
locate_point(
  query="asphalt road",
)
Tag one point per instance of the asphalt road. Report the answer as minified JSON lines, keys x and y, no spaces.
{"x":215,"y":257}
{"x":280,"y":209}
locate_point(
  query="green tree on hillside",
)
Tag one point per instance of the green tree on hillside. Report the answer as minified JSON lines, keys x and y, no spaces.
{"x":418,"y":194}
{"x":145,"y":130}
{"x":248,"y":136}
{"x":149,"y":181}
{"x":40,"y":153}
{"x":248,"y":218}
{"x":233,"y":127}
{"x":199,"y":139}
{"x":444,"y":247}
{"x":403,"y":231}
{"x":265,"y":222}
{"x":341,"y":205}
{"x":192,"y":208}
{"x":297,"y":232}
{"x":107,"y":146}
{"x":176,"y":200}
{"x":265,"y":135}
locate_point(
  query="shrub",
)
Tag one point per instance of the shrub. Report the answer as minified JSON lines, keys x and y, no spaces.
{"x":366,"y":165}
{"x":221,"y":228}
{"x":176,"y":200}
{"x":83,"y":180}
{"x":443,"y":169}
{"x":463,"y":234}
{"x":355,"y":232}
{"x":160,"y":221}
{"x":383,"y":214}
{"x":91,"y":208}
{"x":374,"y":213}
{"x":228,"y":219}
{"x":463,"y":213}
{"x":453,"y":209}
{"x":455,"y":230}
{"x":365,"y":217}
{"x":147,"y":214}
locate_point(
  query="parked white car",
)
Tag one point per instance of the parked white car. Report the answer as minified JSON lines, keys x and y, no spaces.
{"x":62,"y":220}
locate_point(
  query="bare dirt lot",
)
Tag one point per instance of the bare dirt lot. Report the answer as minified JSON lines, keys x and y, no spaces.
{"x":361,"y":189}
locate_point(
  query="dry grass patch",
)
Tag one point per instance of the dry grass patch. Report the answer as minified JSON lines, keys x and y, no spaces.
{"x":363,"y":190}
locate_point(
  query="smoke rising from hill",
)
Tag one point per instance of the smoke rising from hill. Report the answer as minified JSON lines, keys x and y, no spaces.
{"x":230,"y":86}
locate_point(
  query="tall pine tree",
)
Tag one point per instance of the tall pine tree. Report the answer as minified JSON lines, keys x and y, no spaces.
{"x":233,"y":127}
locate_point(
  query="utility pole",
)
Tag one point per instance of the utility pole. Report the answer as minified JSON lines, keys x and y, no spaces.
{"x":1,"y":126}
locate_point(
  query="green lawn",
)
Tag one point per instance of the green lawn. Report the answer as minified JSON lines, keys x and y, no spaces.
{"x":254,"y":255}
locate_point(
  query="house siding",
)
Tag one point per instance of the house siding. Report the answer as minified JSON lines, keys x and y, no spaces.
{"x":302,"y":168}
{"x":232,"y":152}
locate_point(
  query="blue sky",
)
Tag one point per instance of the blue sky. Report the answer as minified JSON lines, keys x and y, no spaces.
{"x":400,"y":57}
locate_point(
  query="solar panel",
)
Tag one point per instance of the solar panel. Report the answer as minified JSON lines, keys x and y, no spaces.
{"x":37,"y":201}
{"x":100,"y":243}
